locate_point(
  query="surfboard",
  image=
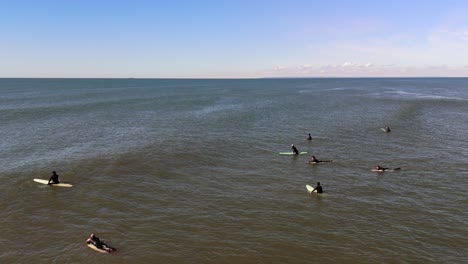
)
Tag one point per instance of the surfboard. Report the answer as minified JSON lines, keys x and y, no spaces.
{"x":97,"y":249}
{"x":58,"y":184}
{"x":310,"y":188}
{"x":321,"y":161}
{"x":292,"y":153}
{"x":395,"y":169}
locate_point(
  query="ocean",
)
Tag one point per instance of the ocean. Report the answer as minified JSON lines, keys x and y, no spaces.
{"x":188,"y":170}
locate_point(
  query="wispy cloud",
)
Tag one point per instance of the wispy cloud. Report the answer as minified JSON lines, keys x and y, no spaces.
{"x":350,"y":69}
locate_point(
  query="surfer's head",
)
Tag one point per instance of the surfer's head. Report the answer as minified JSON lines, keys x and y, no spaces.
{"x":318,"y":183}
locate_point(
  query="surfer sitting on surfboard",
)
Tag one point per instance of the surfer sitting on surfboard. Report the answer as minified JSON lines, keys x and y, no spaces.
{"x":93,"y":239}
{"x":294,"y":149}
{"x":309,"y":137}
{"x":315,"y":160}
{"x":54,"y":179}
{"x":318,"y":188}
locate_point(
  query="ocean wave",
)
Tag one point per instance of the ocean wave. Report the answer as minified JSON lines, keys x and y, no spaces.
{"x":414,"y":95}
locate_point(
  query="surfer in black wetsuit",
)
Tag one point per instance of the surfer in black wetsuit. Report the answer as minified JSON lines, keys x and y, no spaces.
{"x":294,"y":149}
{"x":387,"y":129}
{"x":54,"y":179}
{"x":318,"y":188}
{"x":378,"y":168}
{"x":381,"y":169}
{"x":309,"y":137}
{"x":315,"y":160}
{"x":93,"y":239}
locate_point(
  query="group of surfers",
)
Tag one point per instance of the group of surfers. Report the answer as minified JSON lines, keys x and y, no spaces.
{"x":93,"y":239}
{"x":314,"y":160}
{"x":318,"y":187}
{"x":99,"y":244}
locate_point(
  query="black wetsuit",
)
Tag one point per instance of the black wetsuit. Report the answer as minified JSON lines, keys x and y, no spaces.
{"x":54,"y":179}
{"x":294,"y":149}
{"x":97,"y":242}
{"x":319,"y":189}
{"x":100,"y":244}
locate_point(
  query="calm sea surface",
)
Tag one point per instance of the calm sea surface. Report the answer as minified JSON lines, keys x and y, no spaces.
{"x":188,"y":171}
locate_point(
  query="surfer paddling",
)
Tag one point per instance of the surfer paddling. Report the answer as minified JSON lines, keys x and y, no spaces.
{"x":294,"y":150}
{"x":386,"y":129}
{"x":54,"y":179}
{"x":314,"y":160}
{"x":98,"y":243}
{"x":382,"y":169}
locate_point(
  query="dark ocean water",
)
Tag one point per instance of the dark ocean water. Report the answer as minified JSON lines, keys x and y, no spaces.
{"x":188,"y":171}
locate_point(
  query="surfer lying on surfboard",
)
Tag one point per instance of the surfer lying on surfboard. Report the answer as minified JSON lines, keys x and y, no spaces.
{"x":93,"y":239}
{"x":315,"y":160}
{"x":381,"y":169}
{"x":386,"y":129}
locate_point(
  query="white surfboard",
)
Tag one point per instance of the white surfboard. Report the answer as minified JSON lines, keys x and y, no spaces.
{"x":310,"y":188}
{"x":395,"y":169}
{"x":292,"y":153}
{"x":58,"y":184}
{"x":97,"y":249}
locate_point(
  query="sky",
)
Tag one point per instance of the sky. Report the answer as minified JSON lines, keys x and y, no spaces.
{"x":233,"y":39}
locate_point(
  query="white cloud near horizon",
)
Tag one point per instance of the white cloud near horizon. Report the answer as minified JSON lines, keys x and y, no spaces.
{"x":367,"y":46}
{"x":349,"y":69}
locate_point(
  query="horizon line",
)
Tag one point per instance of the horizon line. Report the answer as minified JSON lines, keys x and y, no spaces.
{"x":242,"y":78}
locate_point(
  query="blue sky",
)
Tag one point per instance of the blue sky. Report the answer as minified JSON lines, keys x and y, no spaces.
{"x":233,"y":39}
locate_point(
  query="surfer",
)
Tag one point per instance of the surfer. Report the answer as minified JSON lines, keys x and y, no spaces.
{"x":98,"y":243}
{"x":318,"y":188}
{"x":294,"y":149}
{"x":379,"y":168}
{"x":387,"y":129}
{"x":54,"y":179}
{"x":315,"y":160}
{"x":309,"y":137}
